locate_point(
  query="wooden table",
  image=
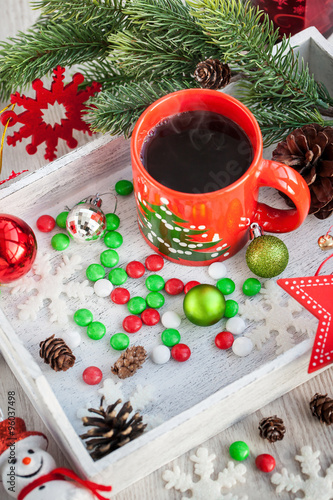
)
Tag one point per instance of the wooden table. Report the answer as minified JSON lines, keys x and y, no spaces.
{"x":293,"y":408}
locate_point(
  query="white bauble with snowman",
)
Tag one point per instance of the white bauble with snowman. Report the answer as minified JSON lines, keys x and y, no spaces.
{"x":28,"y":472}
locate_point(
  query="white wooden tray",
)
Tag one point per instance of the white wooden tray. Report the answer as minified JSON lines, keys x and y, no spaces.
{"x":196,"y":399}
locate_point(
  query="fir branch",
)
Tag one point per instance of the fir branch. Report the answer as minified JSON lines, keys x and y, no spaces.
{"x":104,"y":72}
{"x":161,"y":39}
{"x":35,"y":53}
{"x":118,"y":110}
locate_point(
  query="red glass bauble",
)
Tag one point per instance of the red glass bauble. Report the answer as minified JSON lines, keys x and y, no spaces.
{"x":18,"y":248}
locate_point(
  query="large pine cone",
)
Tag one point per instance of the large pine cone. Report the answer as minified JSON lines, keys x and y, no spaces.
{"x":57,"y":354}
{"x":111,"y":430}
{"x":212,"y":74}
{"x":129,"y":362}
{"x":309,"y":150}
{"x":272,"y":428}
{"x":322,"y":407}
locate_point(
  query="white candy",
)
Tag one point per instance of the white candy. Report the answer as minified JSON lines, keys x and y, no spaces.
{"x":171,"y":319}
{"x":235,"y":325}
{"x":242,"y":346}
{"x":103,"y":288}
{"x":72,"y":339}
{"x":217,"y":270}
{"x":160,"y":354}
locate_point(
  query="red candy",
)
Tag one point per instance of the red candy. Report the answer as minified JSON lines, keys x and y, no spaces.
{"x":135,"y":269}
{"x":154,"y":262}
{"x":265,"y":462}
{"x":224,"y":340}
{"x":190,"y":285}
{"x":132,"y":324}
{"x":180,"y":352}
{"x":92,"y":375}
{"x":120,"y":295}
{"x":174,"y":286}
{"x":45,"y":223}
{"x":150,"y":317}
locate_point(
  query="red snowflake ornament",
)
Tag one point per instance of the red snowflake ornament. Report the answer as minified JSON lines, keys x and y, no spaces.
{"x":33,"y":124}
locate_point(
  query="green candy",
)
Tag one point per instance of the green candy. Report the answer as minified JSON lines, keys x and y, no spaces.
{"x":109,"y":258}
{"x":61,"y":220}
{"x":117,"y":276}
{"x":136,"y":305}
{"x":231,"y":308}
{"x":155,"y":283}
{"x":95,"y":272}
{"x":267,"y":256}
{"x":155,"y":300}
{"x":170,"y":337}
{"x":124,"y":187}
{"x":96,"y":330}
{"x":83,"y":317}
{"x":204,"y":305}
{"x":251,"y":286}
{"x":226,"y":286}
{"x":113,"y":239}
{"x":119,"y":341}
{"x":112,"y":222}
{"x":60,"y":242}
{"x":239,"y":451}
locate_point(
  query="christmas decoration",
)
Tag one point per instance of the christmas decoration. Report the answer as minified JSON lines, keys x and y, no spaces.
{"x":265,"y":462}
{"x":86,"y":221}
{"x":239,"y":451}
{"x":314,"y":486}
{"x":92,"y":375}
{"x":325,"y":242}
{"x":32,"y":475}
{"x":142,"y":397}
{"x":321,"y":407}
{"x":267,"y":309}
{"x":309,"y":150}
{"x":162,"y":227}
{"x":136,"y":69}
{"x":266,"y":256}
{"x":72,"y":338}
{"x":212,"y":74}
{"x":12,"y":176}
{"x":160,"y":354}
{"x":51,"y":287}
{"x":18,"y":248}
{"x":204,"y":305}
{"x":272,"y":429}
{"x":111,"y":430}
{"x":206,"y":487}
{"x":57,"y":354}
{"x":129,"y":362}
{"x":315,"y":294}
{"x":33,"y":124}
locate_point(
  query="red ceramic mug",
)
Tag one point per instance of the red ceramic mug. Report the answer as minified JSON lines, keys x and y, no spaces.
{"x":198,"y":229}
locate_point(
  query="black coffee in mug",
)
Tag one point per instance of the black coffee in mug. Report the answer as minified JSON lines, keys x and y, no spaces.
{"x":197,"y":152}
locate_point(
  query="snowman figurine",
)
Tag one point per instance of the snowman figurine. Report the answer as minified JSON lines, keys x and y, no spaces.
{"x":28,"y":472}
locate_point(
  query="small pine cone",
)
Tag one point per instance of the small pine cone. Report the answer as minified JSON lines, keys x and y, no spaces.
{"x":57,"y":354}
{"x":272,"y":428}
{"x":211,"y":74}
{"x":309,"y":150}
{"x":322,"y":408}
{"x":129,"y":362}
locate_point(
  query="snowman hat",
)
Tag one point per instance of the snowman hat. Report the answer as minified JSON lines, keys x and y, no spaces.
{"x":12,"y":432}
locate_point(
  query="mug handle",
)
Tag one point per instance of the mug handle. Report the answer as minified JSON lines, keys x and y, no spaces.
{"x":285,"y":179}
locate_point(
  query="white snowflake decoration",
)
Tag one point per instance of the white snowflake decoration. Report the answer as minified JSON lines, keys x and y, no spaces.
{"x":142,"y":396}
{"x":276,"y":314}
{"x":51,"y":286}
{"x":315,"y":487}
{"x":206,"y":488}
{"x":111,"y":391}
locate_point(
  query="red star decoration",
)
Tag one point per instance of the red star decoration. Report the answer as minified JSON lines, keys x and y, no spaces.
{"x":33,"y":124}
{"x":315,"y":293}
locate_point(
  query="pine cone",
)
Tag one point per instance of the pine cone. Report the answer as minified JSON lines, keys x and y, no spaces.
{"x":57,"y":354}
{"x":272,"y":428}
{"x":309,"y":150}
{"x":322,"y":408}
{"x":110,"y":430}
{"x":129,"y":362}
{"x":211,"y":74}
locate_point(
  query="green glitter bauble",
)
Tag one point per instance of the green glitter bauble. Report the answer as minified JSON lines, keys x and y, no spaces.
{"x":267,"y":256}
{"x":204,"y":305}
